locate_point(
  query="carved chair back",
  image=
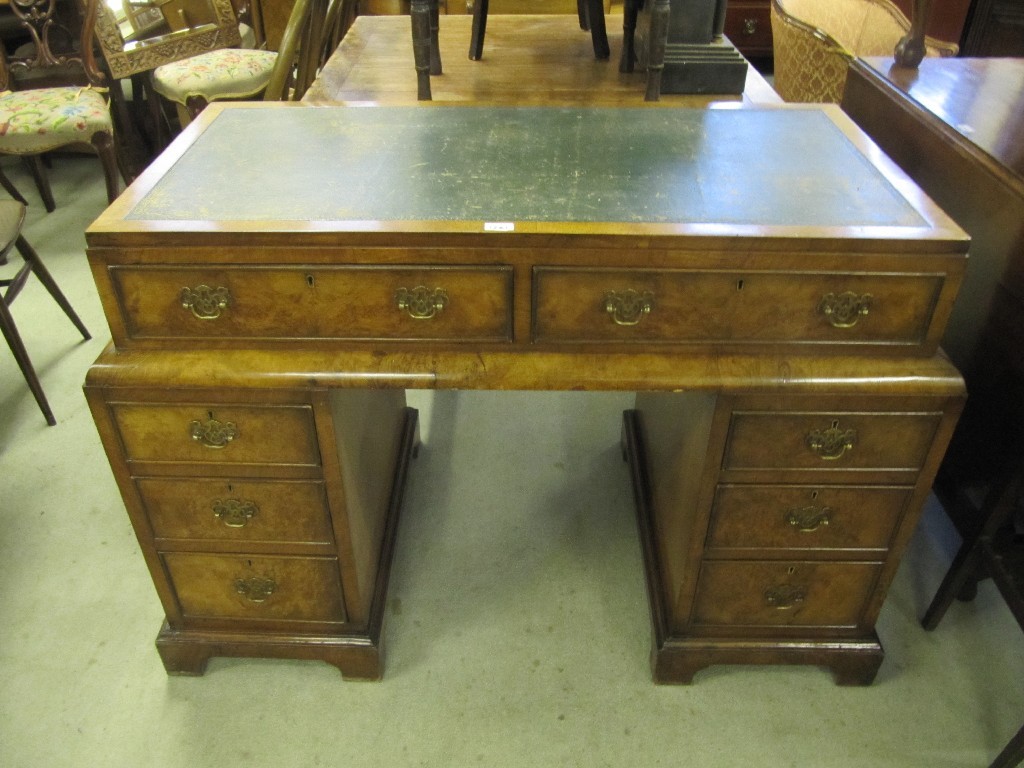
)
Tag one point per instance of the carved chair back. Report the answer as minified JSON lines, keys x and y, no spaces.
{"x":59,"y":49}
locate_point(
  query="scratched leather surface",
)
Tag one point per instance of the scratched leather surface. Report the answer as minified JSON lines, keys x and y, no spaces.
{"x":745,"y":167}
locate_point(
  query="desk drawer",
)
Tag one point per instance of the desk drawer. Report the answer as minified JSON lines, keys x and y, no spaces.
{"x":350,"y":303}
{"x":748,"y":26}
{"x":242,"y":510}
{"x":824,"y":518}
{"x":218,"y":434}
{"x":680,"y":306}
{"x":256,"y":587}
{"x":785,"y":593}
{"x":829,"y":440}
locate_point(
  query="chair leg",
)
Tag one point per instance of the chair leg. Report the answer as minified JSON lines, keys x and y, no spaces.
{"x":35,"y":165}
{"x":996,"y":509}
{"x":476,"y":42}
{"x":104,"y":145}
{"x":10,"y":333}
{"x":598,"y":33}
{"x":657,"y":39}
{"x":12,"y":191}
{"x":420,"y":15}
{"x":435,"y":46}
{"x":1012,"y":754}
{"x":42,"y":273}
{"x":629,"y":13}
{"x":584,"y":15}
{"x":964,"y":567}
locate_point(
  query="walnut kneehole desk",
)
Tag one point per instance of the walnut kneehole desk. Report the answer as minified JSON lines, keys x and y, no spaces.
{"x":770,"y":285}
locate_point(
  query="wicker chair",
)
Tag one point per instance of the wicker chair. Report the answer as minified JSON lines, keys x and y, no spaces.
{"x":815,"y":40}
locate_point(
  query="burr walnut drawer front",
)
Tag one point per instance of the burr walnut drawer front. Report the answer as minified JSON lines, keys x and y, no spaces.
{"x":826,"y":518}
{"x":829,"y":440}
{"x":266,"y":588}
{"x":783,"y":593}
{"x":316,"y":302}
{"x":575,"y":305}
{"x":236,"y":510}
{"x":222,"y":434}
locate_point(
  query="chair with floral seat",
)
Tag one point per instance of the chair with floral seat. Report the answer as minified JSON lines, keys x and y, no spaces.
{"x":314,"y":27}
{"x":38,"y":116}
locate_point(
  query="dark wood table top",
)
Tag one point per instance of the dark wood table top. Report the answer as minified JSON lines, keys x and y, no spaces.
{"x":528,"y":59}
{"x":982,"y":100}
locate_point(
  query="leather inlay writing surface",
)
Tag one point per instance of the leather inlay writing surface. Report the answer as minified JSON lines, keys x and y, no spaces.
{"x":745,"y":167}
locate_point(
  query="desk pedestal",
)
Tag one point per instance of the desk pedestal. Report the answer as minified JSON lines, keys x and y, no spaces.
{"x":774,"y":496}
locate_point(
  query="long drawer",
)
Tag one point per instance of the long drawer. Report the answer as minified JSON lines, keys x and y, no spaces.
{"x":242,"y":511}
{"x":259,"y":588}
{"x":315,"y":302}
{"x":682,"y":306}
{"x":824,"y":519}
{"x":783,"y":593}
{"x":222,"y":434}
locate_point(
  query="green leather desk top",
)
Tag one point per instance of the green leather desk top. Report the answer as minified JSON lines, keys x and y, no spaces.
{"x":790,"y":167}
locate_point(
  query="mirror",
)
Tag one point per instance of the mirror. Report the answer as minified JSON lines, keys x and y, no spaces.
{"x":139,"y":35}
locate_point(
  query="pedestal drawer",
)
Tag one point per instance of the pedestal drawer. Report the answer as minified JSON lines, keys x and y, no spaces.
{"x":680,"y":306}
{"x":229,"y":434}
{"x":829,"y":440}
{"x":256,"y":587}
{"x":318,"y":302}
{"x":785,"y":593}
{"x":760,"y":517}
{"x":243,"y":511}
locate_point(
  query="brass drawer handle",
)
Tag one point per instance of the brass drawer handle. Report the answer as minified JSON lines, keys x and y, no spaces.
{"x":784,"y":596}
{"x":809,"y":519}
{"x":256,"y":589}
{"x":421,"y":303}
{"x":213,"y":433}
{"x":749,"y":26}
{"x":205,"y":302}
{"x":628,"y":307}
{"x":845,"y":309}
{"x":235,"y":513}
{"x":830,"y":444}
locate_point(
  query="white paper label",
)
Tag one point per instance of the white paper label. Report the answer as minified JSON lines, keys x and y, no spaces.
{"x":499,"y":226}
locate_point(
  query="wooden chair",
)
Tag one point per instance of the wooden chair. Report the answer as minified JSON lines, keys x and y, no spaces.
{"x":313,"y":31}
{"x":591,"y":15}
{"x":142,"y":130}
{"x":39,"y":116}
{"x":814,"y":41}
{"x":996,"y":552}
{"x":12,"y":217}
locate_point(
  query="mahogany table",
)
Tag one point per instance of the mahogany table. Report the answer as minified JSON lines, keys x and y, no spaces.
{"x":956,"y":127}
{"x":530,"y":60}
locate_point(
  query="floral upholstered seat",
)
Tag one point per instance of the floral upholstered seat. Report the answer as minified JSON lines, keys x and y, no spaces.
{"x":48,"y":118}
{"x":228,"y":73}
